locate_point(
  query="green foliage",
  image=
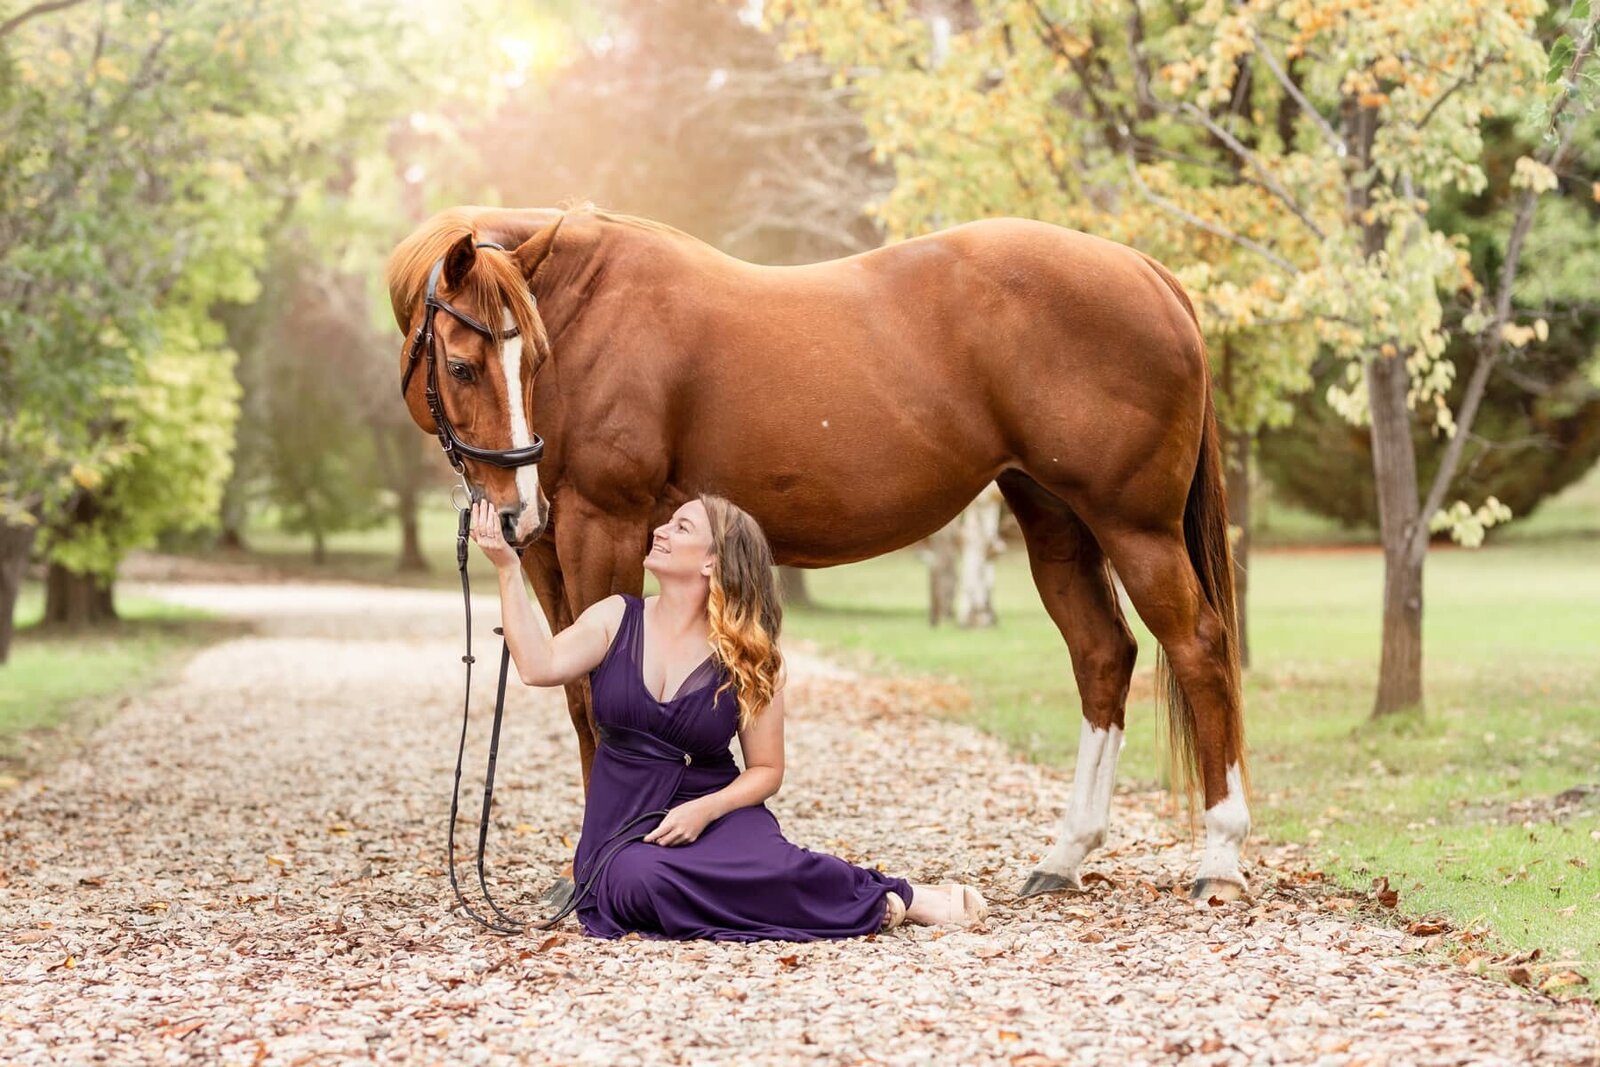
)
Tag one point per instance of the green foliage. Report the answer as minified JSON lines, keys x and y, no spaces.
{"x":130,"y":132}
{"x":148,"y":151}
{"x":1280,"y":156}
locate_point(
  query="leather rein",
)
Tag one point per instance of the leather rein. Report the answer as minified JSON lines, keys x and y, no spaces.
{"x":454,"y":449}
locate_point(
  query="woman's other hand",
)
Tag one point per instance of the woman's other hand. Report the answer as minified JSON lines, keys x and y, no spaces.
{"x":486,"y":533}
{"x":681,"y":825}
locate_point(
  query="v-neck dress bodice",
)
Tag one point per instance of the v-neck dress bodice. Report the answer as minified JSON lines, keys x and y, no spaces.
{"x":740,"y":880}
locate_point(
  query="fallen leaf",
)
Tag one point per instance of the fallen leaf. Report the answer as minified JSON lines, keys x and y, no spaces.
{"x":1562,"y":979}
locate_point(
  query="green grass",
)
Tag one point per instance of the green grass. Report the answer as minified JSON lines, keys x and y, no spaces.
{"x":58,"y":684}
{"x":1512,"y":683}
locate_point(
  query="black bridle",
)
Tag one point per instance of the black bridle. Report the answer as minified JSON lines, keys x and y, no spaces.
{"x":423,"y":344}
{"x":454,"y":448}
{"x":507,"y":924}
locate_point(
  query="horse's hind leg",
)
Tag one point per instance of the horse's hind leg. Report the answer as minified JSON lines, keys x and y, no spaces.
{"x":1070,"y":572}
{"x":1157,"y":571}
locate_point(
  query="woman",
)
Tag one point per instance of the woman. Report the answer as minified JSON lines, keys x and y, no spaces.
{"x":716,"y":864}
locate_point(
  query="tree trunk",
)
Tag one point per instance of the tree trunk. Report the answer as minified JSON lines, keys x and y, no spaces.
{"x":231,"y":514}
{"x":1238,"y":489}
{"x":792,"y":589}
{"x":411,"y":558}
{"x":319,"y":546}
{"x":1394,"y":468}
{"x":16,"y":542}
{"x":978,"y":542}
{"x":74,"y":601}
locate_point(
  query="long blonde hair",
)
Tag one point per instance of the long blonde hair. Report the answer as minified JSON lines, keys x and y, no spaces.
{"x":744,"y":607}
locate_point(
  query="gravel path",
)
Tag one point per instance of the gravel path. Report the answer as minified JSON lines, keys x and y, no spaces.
{"x":245,"y":867}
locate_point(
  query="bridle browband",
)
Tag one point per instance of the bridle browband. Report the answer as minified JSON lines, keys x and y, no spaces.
{"x":423,"y":343}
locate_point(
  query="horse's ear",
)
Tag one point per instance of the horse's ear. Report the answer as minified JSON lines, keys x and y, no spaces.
{"x":530,"y":254}
{"x":459,"y":260}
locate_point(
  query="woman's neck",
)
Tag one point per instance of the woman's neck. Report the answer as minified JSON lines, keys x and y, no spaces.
{"x":681,"y":608}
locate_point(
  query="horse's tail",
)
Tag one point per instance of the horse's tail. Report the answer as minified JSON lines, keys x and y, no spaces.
{"x":1205,"y":534}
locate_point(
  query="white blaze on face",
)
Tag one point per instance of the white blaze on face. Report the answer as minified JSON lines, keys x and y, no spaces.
{"x":521,"y":436}
{"x":1227,"y":823}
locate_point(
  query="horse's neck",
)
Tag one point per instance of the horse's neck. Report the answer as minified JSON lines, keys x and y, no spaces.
{"x":592,"y":256}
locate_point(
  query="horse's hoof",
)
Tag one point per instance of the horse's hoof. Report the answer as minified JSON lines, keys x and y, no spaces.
{"x":1041,"y":882}
{"x":559,"y":892}
{"x":1206,"y":889}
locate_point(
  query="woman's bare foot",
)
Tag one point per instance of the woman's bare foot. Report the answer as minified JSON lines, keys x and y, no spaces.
{"x":894,"y":911}
{"x":948,"y":904}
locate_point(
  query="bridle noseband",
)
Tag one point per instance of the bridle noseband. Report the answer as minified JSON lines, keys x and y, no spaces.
{"x":454,"y":447}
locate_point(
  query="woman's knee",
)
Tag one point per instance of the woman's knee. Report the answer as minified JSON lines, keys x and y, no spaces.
{"x":634,"y":874}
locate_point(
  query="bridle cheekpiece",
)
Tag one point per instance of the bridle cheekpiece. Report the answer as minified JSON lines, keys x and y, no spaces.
{"x":454,"y":447}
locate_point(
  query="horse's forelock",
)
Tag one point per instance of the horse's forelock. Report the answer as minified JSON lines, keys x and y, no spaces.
{"x":493,"y":283}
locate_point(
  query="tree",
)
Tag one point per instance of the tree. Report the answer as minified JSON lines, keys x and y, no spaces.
{"x":1048,"y":111}
{"x":1304,"y":139}
{"x":1391,"y":104}
{"x":126,"y":132}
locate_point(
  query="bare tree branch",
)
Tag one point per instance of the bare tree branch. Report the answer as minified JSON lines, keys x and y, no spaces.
{"x":1306,"y":106}
{"x":11,"y":24}
{"x":1253,"y":161}
{"x":1210,"y":227}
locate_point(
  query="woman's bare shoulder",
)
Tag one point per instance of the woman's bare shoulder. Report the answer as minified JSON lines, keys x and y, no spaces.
{"x":605,"y":613}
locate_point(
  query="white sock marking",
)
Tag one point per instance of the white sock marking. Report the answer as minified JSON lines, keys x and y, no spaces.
{"x":1088,"y":815}
{"x":1227,"y":824}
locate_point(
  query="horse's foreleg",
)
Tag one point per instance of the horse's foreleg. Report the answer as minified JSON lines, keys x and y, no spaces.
{"x":540,"y":565}
{"x":1075,"y":587}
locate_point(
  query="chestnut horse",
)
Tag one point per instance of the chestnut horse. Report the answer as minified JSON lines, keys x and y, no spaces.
{"x":854,"y":407}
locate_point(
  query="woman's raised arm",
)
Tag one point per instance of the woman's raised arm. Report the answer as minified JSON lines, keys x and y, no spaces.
{"x":541,"y":660}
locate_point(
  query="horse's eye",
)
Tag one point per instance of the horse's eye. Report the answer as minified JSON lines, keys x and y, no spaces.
{"x":461,"y":372}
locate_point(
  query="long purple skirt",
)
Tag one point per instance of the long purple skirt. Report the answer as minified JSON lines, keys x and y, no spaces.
{"x":740,"y":880}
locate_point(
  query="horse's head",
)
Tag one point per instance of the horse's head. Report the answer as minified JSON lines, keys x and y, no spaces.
{"x":464,"y":304}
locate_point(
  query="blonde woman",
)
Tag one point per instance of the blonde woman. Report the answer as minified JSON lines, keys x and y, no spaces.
{"x":674,"y":677}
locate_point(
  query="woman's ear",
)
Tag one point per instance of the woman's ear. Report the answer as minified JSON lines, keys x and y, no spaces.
{"x":708,"y":565}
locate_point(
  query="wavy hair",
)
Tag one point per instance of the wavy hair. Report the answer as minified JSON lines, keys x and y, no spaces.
{"x":744,"y":607}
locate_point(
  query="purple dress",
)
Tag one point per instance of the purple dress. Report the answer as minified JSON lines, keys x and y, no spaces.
{"x":740,"y":880}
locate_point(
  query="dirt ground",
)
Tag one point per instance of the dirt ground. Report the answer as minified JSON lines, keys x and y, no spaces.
{"x":246,"y":866}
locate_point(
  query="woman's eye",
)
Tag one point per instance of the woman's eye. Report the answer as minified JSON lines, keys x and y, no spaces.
{"x":461,"y":372}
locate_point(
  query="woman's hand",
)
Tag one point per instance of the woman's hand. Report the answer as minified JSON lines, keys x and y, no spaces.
{"x":681,"y":825}
{"x":486,"y":533}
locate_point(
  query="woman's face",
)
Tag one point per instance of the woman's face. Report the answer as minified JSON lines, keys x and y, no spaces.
{"x":681,"y":546}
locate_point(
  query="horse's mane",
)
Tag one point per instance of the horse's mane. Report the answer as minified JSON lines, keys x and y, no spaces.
{"x":493,"y":282}
{"x":639,"y":222}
